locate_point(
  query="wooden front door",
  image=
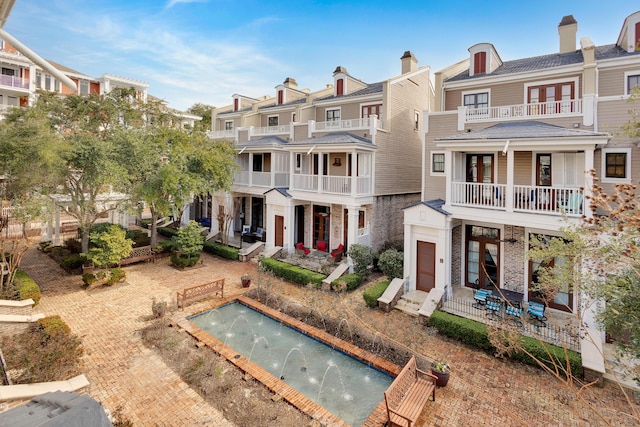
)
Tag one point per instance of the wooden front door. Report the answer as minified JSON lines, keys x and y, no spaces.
{"x":279,"y":231}
{"x":426,"y":266}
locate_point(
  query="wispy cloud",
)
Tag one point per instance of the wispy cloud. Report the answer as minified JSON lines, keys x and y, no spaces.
{"x":172,"y":3}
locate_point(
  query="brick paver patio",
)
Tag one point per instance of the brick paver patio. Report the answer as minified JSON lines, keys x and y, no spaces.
{"x":483,"y":390}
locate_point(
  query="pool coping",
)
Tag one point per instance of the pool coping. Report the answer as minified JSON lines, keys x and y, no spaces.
{"x":376,"y":419}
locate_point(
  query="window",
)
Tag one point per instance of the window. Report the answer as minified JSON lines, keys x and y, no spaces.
{"x":293,"y":117}
{"x":416,"y":120}
{"x":228,"y":125}
{"x":272,"y":121}
{"x":333,"y":115}
{"x":257,"y":162}
{"x":437,"y":163}
{"x":476,"y":100}
{"x":483,"y":256}
{"x":235,"y":104}
{"x":480,"y":63}
{"x":360,"y":219}
{"x":340,"y":87}
{"x":633,"y":80}
{"x":280,"y":96}
{"x":369,"y":110}
{"x":616,"y":165}
{"x":563,"y":297}
{"x":556,"y":98}
{"x":38,"y":80}
{"x":47,"y":82}
{"x":84,"y":87}
{"x":298,"y":161}
{"x":8,"y":72}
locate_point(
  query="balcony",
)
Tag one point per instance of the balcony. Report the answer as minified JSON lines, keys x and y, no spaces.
{"x":272,"y":130}
{"x":519,"y":198}
{"x":13,"y":81}
{"x":261,"y":179}
{"x":222,"y":134}
{"x":341,"y":185}
{"x":521,"y":111}
{"x":372,"y":124}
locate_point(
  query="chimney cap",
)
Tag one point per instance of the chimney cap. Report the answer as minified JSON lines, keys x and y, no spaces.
{"x":407,"y":54}
{"x":340,"y":69}
{"x":290,"y":80}
{"x":567,"y":20}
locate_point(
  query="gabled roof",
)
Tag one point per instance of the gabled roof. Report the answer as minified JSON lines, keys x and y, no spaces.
{"x":435,"y":204}
{"x":335,"y":138}
{"x":286,"y":104}
{"x":543,"y":62}
{"x":281,"y":190}
{"x":270,"y":141}
{"x":529,"y":129}
{"x":369,"y":90}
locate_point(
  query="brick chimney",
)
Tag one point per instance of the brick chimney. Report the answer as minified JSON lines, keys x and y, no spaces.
{"x":567,"y":30}
{"x":291,"y":83}
{"x":409,"y":62}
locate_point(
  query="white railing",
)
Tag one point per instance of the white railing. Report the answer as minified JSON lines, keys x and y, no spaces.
{"x":272,"y":130}
{"x":281,"y":179}
{"x":524,"y":198}
{"x":261,"y":179}
{"x":305,"y":182}
{"x":241,"y":177}
{"x":343,"y":124}
{"x":542,"y":109}
{"x":364,"y":185}
{"x":227,"y":133}
{"x":14,"y":81}
{"x":336,"y":184}
{"x":331,"y":184}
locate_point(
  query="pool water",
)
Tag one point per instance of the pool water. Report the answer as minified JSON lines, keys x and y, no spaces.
{"x":345,"y":386}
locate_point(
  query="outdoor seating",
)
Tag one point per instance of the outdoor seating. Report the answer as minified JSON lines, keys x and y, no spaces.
{"x":536,"y":312}
{"x":301,"y":250}
{"x":573,"y":205}
{"x":338,"y":251}
{"x":480,"y":297}
{"x":514,"y":311}
{"x":321,"y":245}
{"x":494,"y":306}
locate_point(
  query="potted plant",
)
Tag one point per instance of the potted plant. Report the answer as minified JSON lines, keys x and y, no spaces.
{"x":246,"y":280}
{"x":441,"y":370}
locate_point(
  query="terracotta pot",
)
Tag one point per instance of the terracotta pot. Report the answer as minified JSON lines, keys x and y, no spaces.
{"x":246,"y":283}
{"x":443,"y":378}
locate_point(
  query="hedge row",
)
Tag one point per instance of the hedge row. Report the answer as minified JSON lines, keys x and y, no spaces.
{"x":293,"y":273}
{"x":374,"y":292}
{"x":475,"y":334}
{"x":221,"y":250}
{"x":26,"y":287}
{"x":348,"y":282}
{"x":167,"y":231}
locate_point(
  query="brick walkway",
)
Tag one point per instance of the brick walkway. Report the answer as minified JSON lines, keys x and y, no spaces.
{"x":483,"y":390}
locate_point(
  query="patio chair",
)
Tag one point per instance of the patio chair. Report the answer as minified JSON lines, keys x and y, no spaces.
{"x":321,"y":245}
{"x":514,"y":311}
{"x":480,"y":298}
{"x":536,"y":312}
{"x":573,"y":205}
{"x":494,"y":306}
{"x":338,"y":251}
{"x":301,"y":250}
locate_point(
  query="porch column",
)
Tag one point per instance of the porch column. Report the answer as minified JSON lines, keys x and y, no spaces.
{"x":353,"y":212}
{"x":270,"y":226}
{"x":320,"y":170}
{"x":292,"y":168}
{"x":508,"y":196}
{"x":250,"y":169}
{"x":410,"y":258}
{"x":289,"y":227}
{"x":588,"y":182}
{"x":448,"y":172}
{"x":56,"y":242}
{"x":354,"y":173}
{"x":448,"y":286}
{"x":272,"y":173}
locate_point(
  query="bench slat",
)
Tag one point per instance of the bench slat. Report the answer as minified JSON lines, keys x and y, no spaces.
{"x":408,"y":393}
{"x":196,"y":292}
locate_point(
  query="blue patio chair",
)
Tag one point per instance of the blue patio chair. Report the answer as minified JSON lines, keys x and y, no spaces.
{"x":536,"y":312}
{"x":514,"y":311}
{"x":494,"y":306}
{"x":480,"y":298}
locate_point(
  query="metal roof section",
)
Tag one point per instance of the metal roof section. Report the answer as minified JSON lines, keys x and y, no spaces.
{"x":435,"y":204}
{"x":57,"y":409}
{"x":285,"y":105}
{"x":334,"y":138}
{"x":282,"y":190}
{"x":267,"y":141}
{"x":521,"y":130}
{"x":371,"y":89}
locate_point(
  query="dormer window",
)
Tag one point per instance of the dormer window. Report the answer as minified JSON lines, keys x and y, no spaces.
{"x":235,"y":104}
{"x":480,"y":63}
{"x":339,"y":87}
{"x":280,"y":97}
{"x":637,"y":36}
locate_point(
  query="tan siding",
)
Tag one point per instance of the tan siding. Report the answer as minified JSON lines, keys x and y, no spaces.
{"x":300,"y":133}
{"x":611,"y":82}
{"x":612,"y":114}
{"x":440,"y":125}
{"x":398,"y":158}
{"x":522,"y":164}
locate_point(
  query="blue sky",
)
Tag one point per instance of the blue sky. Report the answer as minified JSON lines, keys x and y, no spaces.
{"x":206,"y":50}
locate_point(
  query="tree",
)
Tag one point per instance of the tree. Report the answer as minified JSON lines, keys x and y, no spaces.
{"x":228,"y":208}
{"x":109,"y":246}
{"x":188,"y":240}
{"x":204,"y":111}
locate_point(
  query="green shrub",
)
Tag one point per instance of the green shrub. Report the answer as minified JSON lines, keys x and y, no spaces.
{"x":397,"y":244}
{"x":73,"y":245}
{"x":167,"y":231}
{"x":374,"y":292}
{"x":89,"y":279}
{"x":117,"y":274}
{"x":139,"y":237}
{"x":348,"y":282}
{"x":391,"y":263}
{"x":167,"y":246}
{"x":475,"y":334}
{"x":26,"y":287}
{"x":362,"y":257}
{"x":189,"y":240}
{"x":183,"y":260}
{"x":51,"y":327}
{"x":145,"y":223}
{"x":110,"y":246}
{"x":292,"y":273}
{"x":73,"y":262}
{"x":221,"y":250}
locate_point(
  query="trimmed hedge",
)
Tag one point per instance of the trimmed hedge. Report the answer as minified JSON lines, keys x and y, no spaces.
{"x":221,"y":250}
{"x":292,"y":273}
{"x":73,"y":262}
{"x":475,"y":334}
{"x":26,"y":287}
{"x":348,"y":282}
{"x":183,"y":261}
{"x":374,"y":292}
{"x":167,"y":231}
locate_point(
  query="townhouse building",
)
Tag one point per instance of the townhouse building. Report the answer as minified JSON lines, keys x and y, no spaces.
{"x":332,"y":166}
{"x":509,"y":150}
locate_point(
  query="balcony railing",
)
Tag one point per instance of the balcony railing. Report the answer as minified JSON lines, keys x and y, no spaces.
{"x":331,"y":184}
{"x":524,"y":198}
{"x":261,"y":179}
{"x":218,"y":134}
{"x":272,"y":130}
{"x":515,"y":112}
{"x":14,"y":81}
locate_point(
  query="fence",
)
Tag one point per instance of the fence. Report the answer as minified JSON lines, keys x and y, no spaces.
{"x":556,"y":334}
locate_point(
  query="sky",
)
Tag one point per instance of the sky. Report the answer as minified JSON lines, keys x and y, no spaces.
{"x":205,"y":51}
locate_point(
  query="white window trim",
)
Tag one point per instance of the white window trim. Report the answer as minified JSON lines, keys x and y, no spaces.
{"x":576,"y":87}
{"x":273,"y":115}
{"x":293,"y":116}
{"x":225,"y":124}
{"x":432,"y":173}
{"x":474,"y":92}
{"x":627,"y":172}
{"x":480,"y":47}
{"x":626,"y":81}
{"x":344,"y":84}
{"x":332,"y":109}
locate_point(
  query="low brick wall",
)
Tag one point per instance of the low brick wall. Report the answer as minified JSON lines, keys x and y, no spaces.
{"x":16,"y":316}
{"x":11,"y":328}
{"x":23,"y":308}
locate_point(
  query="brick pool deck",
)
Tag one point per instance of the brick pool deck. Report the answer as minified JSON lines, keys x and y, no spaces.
{"x":483,"y":390}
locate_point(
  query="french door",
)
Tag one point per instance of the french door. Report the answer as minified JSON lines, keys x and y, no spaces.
{"x":482,"y":254}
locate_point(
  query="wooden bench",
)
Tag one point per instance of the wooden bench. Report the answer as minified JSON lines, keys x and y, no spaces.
{"x":143,"y":253}
{"x":408,"y":393}
{"x":197,"y":292}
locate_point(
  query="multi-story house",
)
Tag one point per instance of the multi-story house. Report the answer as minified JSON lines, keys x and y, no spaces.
{"x":509,"y":150}
{"x":332,"y":166}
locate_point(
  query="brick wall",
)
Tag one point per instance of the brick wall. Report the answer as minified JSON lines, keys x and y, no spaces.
{"x":456,"y":255}
{"x":24,"y":310}
{"x":11,"y":328}
{"x":514,"y":260}
{"x":387,"y":217}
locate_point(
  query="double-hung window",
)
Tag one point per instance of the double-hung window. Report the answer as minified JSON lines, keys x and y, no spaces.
{"x":272,"y":121}
{"x":616,"y":165}
{"x":633,"y":80}
{"x":477,"y":103}
{"x":333,"y":115}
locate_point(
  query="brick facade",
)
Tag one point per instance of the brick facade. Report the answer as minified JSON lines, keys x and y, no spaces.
{"x":387,"y":218}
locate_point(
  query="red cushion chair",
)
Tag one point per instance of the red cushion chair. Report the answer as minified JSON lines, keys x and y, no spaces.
{"x":321,"y":245}
{"x":337,"y":250}
{"x":301,"y":247}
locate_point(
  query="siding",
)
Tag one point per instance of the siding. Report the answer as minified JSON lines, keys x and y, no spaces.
{"x":440,"y":125}
{"x":611,"y":80}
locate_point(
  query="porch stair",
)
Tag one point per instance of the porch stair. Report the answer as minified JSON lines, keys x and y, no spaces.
{"x":411,"y":302}
{"x":616,"y":372}
{"x":337,"y":272}
{"x":247,"y":253}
